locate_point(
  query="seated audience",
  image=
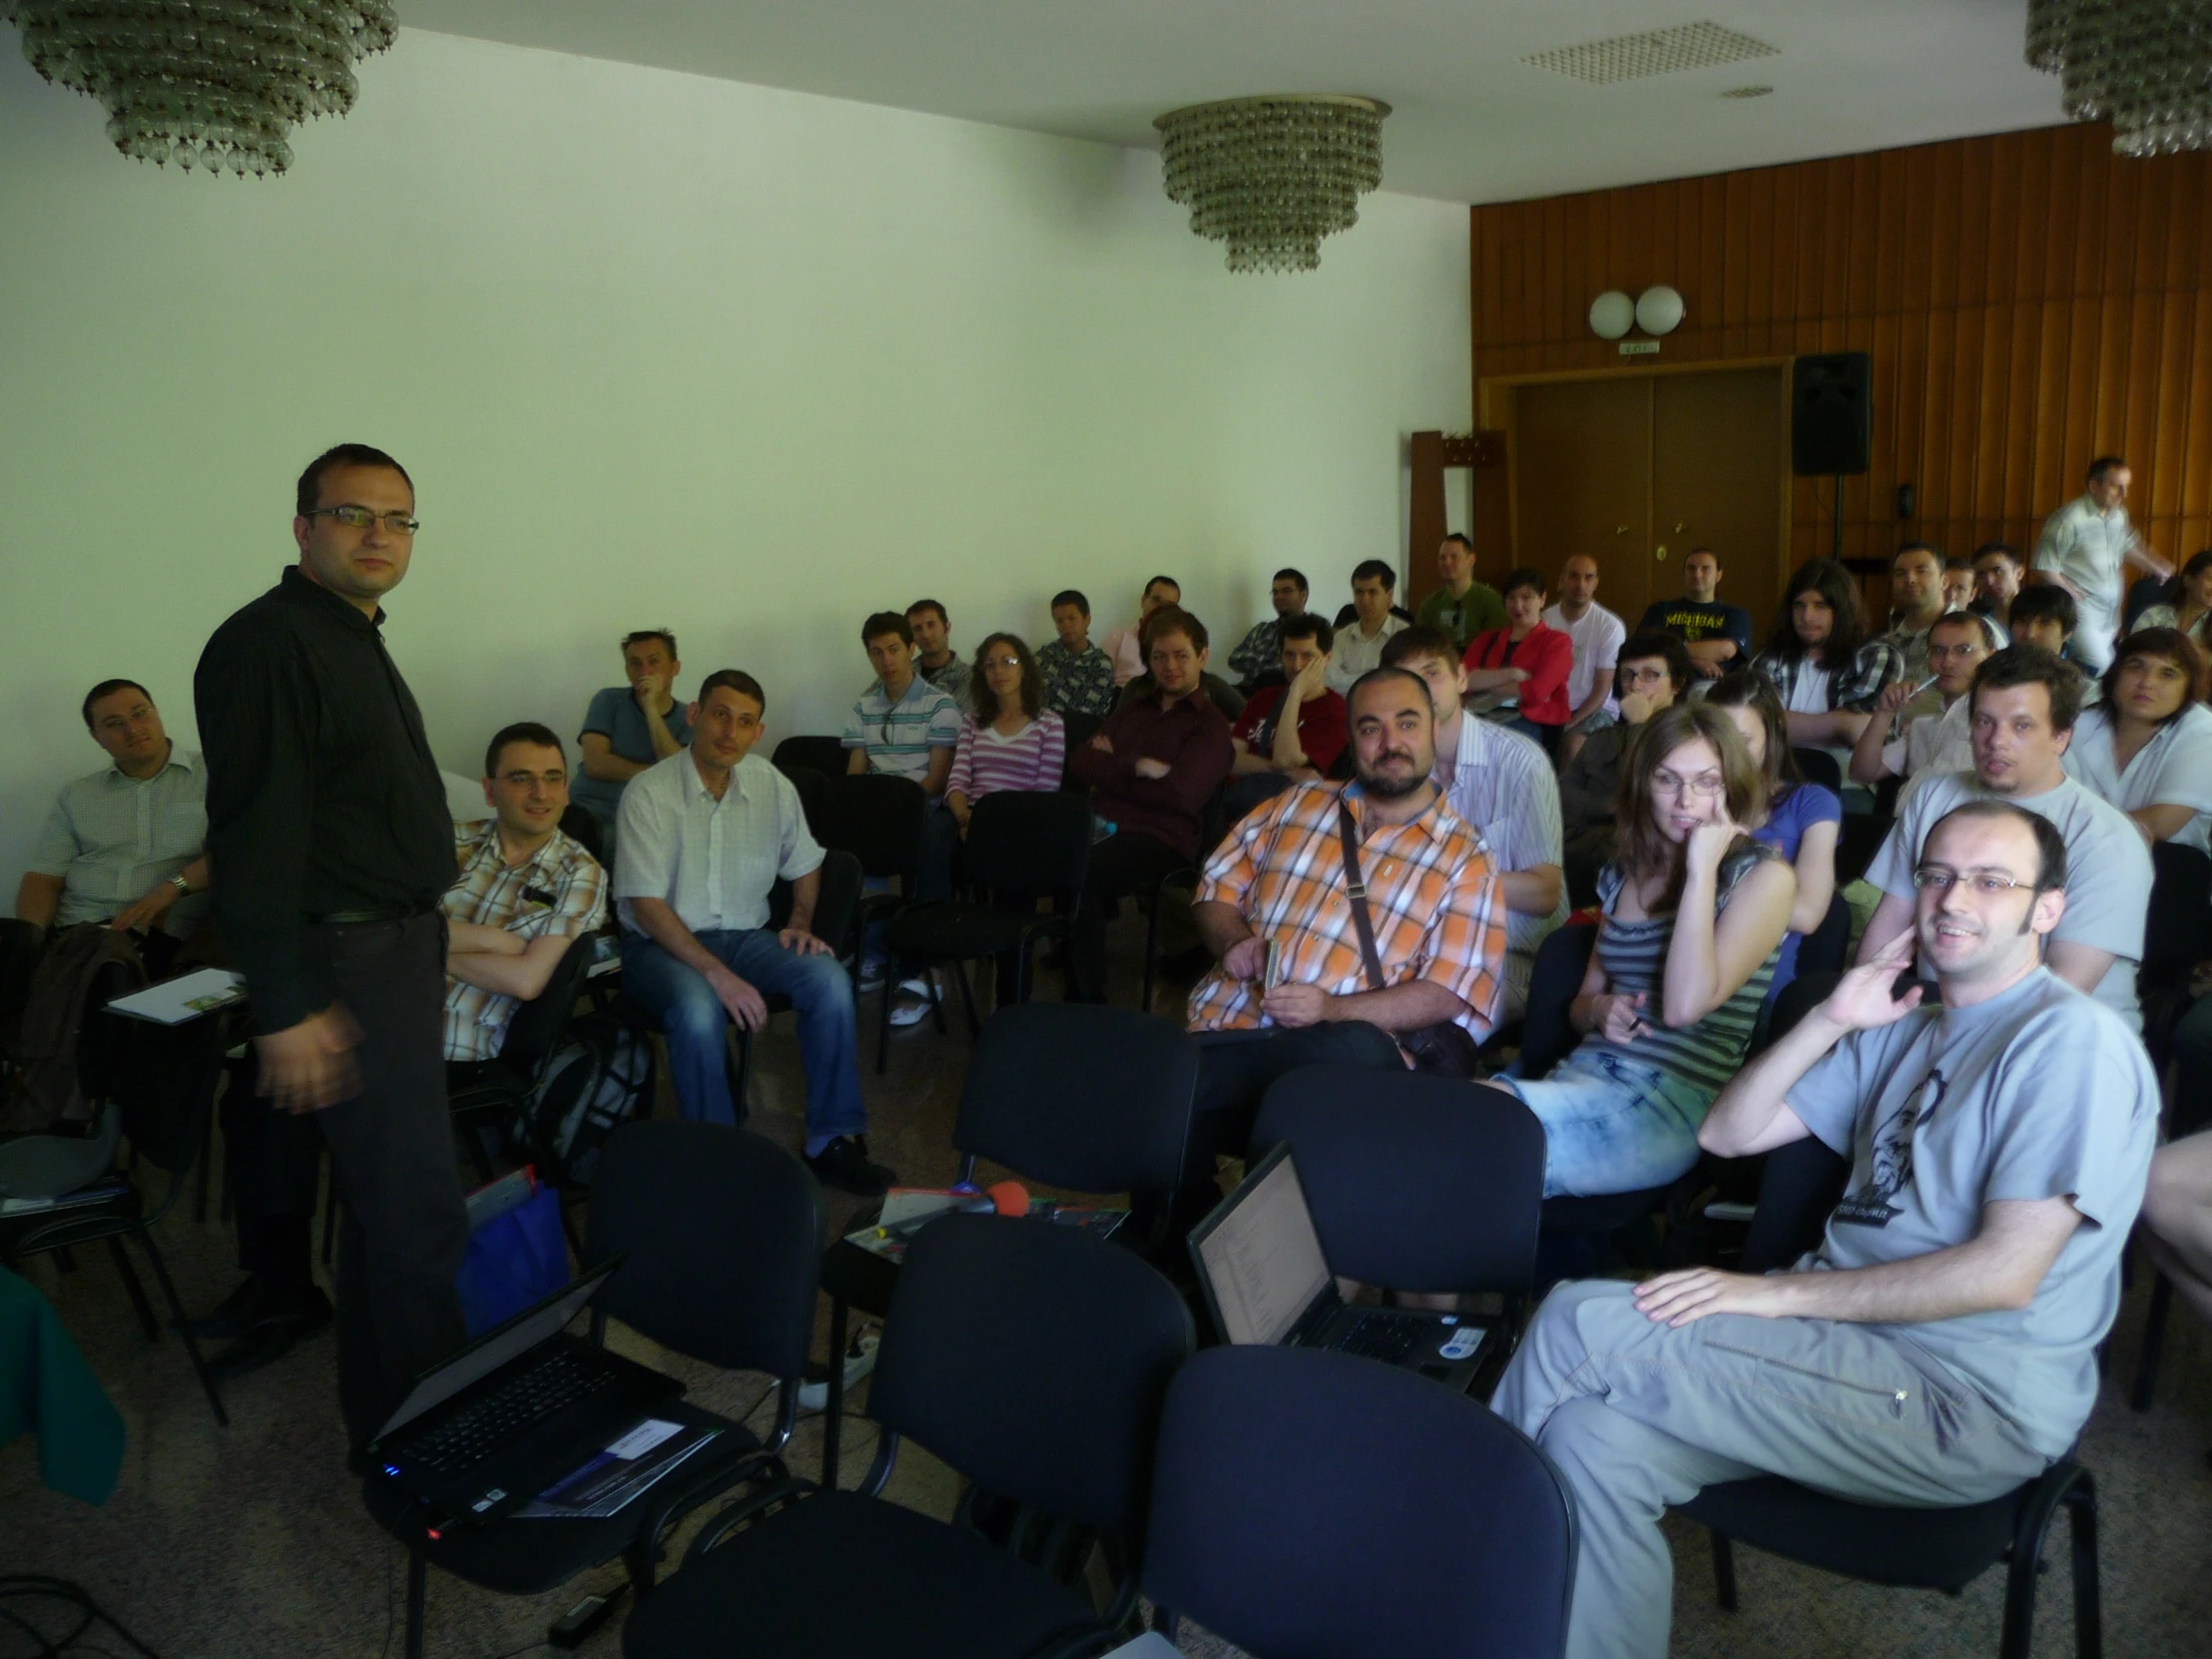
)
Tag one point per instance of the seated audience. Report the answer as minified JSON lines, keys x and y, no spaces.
{"x":1801,"y":821}
{"x":1462,"y":606}
{"x":1010,"y":739}
{"x":1999,"y":568}
{"x":1218,"y":692}
{"x":1718,"y":635}
{"x":1523,"y":669}
{"x":1940,"y":1346}
{"x":705,"y":836}
{"x":901,"y":724}
{"x":1151,"y":772}
{"x":1293,"y":733}
{"x":1897,"y":743}
{"x":1655,"y":670}
{"x":1498,"y":782}
{"x":629,"y":728}
{"x":1125,"y":646}
{"x":1959,"y":582}
{"x":935,"y":659}
{"x":1695,"y":914}
{"x":1827,"y":674}
{"x":526,"y":892}
{"x":1259,"y":651}
{"x":2024,"y":703}
{"x":128,"y":845}
{"x":1360,"y":642}
{"x":1078,"y":676}
{"x":1595,"y":634}
{"x":2192,"y":611}
{"x":2146,"y":748}
{"x":1916,"y":600}
{"x":2045,"y":617}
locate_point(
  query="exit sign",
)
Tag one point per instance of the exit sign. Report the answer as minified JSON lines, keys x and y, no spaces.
{"x":1639,"y":349}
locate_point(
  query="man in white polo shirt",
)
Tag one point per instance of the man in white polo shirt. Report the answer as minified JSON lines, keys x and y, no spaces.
{"x":1597,"y":635}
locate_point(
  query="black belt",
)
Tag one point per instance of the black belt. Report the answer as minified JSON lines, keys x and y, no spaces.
{"x":389,"y":912}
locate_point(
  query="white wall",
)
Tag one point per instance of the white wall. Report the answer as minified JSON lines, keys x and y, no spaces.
{"x":664,"y":349}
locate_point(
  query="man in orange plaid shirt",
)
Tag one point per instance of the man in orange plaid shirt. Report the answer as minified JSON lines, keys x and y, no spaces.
{"x":1432,"y":898}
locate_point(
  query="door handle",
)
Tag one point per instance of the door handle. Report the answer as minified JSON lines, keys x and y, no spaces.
{"x":1661,"y":553}
{"x":1680,"y":527}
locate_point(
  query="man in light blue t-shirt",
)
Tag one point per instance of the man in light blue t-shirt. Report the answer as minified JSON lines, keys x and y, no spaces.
{"x":629,"y":728}
{"x":1937,"y":1347}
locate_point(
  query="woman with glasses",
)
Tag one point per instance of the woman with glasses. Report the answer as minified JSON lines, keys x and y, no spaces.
{"x":1802,"y":821}
{"x":1695,"y":913}
{"x":1010,"y":739}
{"x":2147,"y":746}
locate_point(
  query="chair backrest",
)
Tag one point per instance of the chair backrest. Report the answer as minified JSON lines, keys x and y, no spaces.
{"x":814,"y":791}
{"x":877,"y":818}
{"x":535,"y":1028}
{"x":21,"y":946}
{"x":1802,"y":1182}
{"x":826,"y":756}
{"x":1827,"y":946}
{"x":2180,"y":917}
{"x":165,"y":1081}
{"x":1309,"y":1504}
{"x":1092,"y":1100}
{"x":1033,"y":1360}
{"x":1819,"y":766}
{"x":578,"y":824}
{"x":836,"y":903}
{"x":1554,"y":978}
{"x":1415,"y":1182}
{"x":723,"y":1236}
{"x":1081,"y":729}
{"x":1026,"y":844}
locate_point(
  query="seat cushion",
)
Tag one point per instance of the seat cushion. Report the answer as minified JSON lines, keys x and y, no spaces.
{"x":1930,"y":1549}
{"x":842,"y":1576}
{"x":961,"y":931}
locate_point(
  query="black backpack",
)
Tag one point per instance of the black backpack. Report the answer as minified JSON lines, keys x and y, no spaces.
{"x":600,"y":1078}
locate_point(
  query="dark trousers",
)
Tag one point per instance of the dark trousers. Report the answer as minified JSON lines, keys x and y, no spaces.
{"x":272,"y":1162}
{"x":1129,"y":863}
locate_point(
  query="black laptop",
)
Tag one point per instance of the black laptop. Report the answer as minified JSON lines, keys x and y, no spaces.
{"x":513,"y":1412}
{"x":1265,"y":1281}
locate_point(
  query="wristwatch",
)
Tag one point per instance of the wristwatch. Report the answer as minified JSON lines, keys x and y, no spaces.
{"x":181,"y":884}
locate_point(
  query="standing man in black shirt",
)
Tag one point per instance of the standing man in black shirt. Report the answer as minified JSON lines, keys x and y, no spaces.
{"x":327,"y":816}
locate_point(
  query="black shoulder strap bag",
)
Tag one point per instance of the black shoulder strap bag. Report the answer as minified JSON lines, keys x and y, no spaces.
{"x":1443,"y":1048}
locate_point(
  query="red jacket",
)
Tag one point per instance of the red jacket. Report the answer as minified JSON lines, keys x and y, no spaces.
{"x":1548,"y":655}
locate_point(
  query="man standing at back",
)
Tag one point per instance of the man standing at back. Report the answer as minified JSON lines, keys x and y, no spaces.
{"x":1718,"y":635}
{"x":627,"y":729}
{"x":1462,"y":606}
{"x":1597,"y":635}
{"x":327,"y":820}
{"x":2085,"y":548}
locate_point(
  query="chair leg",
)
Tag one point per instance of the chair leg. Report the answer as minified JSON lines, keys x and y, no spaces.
{"x":741,"y":1083}
{"x":1151,"y":952}
{"x":176,"y":1311}
{"x":936,"y":1002}
{"x":883,"y":1016}
{"x":329,"y":1222}
{"x":967,"y":1000}
{"x":2154,"y":1339}
{"x":1724,"y":1570}
{"x":2081,"y":1512}
{"x":137,"y":1289}
{"x":418,"y":1573}
{"x":2026,"y":1563}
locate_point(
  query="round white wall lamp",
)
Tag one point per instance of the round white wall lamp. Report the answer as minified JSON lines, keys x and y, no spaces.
{"x":1659,"y":310}
{"x":1612,"y":314}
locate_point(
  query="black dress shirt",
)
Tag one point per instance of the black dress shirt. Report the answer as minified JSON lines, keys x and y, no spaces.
{"x":322,"y":796}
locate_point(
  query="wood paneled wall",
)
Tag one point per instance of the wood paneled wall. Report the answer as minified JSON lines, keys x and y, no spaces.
{"x":2030,"y":301}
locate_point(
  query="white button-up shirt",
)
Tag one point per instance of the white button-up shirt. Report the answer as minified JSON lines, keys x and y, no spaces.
{"x":712,"y":862}
{"x":112,"y":840}
{"x":1502,"y":783}
{"x":2088,"y":547}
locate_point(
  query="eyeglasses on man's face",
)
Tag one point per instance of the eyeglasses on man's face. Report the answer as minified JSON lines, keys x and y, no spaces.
{"x":357,"y":517}
{"x":1987,"y":882}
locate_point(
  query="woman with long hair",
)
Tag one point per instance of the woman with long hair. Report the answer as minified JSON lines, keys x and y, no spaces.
{"x":2147,"y":746}
{"x":1010,"y":739}
{"x":2191,"y":611}
{"x":1801,"y":820}
{"x":1695,"y":913}
{"x":1827,"y":670}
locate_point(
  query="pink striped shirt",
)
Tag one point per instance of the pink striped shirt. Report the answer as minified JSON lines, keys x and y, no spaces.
{"x":1029,"y":760}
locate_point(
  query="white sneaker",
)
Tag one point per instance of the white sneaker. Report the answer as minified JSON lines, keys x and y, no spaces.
{"x":918,"y":986}
{"x":815,"y":1397}
{"x":910,"y":1011}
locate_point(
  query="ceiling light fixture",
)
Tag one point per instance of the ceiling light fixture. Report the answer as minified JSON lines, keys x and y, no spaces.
{"x":1273,"y":176}
{"x":2143,"y":64}
{"x":217,"y":83}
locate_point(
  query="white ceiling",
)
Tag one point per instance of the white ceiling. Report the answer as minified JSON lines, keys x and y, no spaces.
{"x":1472,"y":123}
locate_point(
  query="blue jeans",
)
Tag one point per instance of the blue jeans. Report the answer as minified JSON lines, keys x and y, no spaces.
{"x":692,"y":1018}
{"x":1612,"y":1125}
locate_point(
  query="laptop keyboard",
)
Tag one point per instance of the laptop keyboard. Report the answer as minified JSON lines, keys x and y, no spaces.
{"x":1382,"y":1336}
{"x":566,"y":1377}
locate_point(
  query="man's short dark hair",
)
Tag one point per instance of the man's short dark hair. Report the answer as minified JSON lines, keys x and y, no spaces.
{"x":1172,"y":619}
{"x":1958,"y":561}
{"x":2004,"y":549}
{"x":1374,"y":570}
{"x":1303,"y":624}
{"x":2045,"y":601}
{"x":1524,"y":578}
{"x":642,"y":634}
{"x":737,"y":680}
{"x":1930,"y":548}
{"x":1389,"y":671}
{"x":1461,"y":540}
{"x":1655,"y":643}
{"x":1157,"y":580}
{"x":1964,"y":619}
{"x":108,"y":688}
{"x":930,"y":605}
{"x":2031,"y":665}
{"x":1070,"y":596}
{"x":1420,"y":643}
{"x":522,"y":731}
{"x":2102,"y":465}
{"x":308,"y":495}
{"x":879,"y":624}
{"x":1286,"y":574}
{"x":2051,"y":846}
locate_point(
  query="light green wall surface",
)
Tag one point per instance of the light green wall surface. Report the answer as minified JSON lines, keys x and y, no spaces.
{"x":664,"y":349}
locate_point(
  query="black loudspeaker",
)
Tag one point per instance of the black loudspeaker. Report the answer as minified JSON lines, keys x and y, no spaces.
{"x":1832,"y":413}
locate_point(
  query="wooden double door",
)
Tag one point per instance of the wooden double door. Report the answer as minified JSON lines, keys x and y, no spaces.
{"x":1636,"y":469}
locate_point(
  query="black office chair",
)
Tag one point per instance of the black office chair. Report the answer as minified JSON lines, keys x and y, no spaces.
{"x":827,"y":755}
{"x":722,"y":1233}
{"x":1858,"y":842}
{"x":813,"y":793}
{"x":1034,"y":1361}
{"x":1320,"y":1504}
{"x":21,"y":946}
{"x":1819,"y":767}
{"x":1213,"y":826}
{"x":1081,"y":729}
{"x":1930,"y":1550}
{"x":1022,"y":847}
{"x":877,"y":818}
{"x":488,"y":1098}
{"x":578,"y":824}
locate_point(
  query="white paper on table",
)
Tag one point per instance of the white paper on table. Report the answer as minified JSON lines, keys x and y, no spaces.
{"x":176,"y":1001}
{"x":642,"y":1438}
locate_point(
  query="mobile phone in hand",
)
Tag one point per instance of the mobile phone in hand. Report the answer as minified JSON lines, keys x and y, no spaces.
{"x":1269,"y":977}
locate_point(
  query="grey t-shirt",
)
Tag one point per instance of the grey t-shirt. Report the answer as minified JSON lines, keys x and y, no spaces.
{"x":614,"y":713}
{"x":2108,"y":870}
{"x":2037,"y":1093}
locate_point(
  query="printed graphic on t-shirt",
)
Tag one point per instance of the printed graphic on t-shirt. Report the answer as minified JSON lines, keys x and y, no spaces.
{"x":1892,"y":1169}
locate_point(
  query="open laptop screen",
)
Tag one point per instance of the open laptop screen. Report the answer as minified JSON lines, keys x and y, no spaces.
{"x":1262,"y":1257}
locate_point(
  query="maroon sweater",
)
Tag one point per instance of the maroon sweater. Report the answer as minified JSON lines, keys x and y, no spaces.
{"x":1190,"y":736}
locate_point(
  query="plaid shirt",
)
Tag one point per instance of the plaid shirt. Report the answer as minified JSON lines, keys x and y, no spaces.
{"x":1259,"y":651}
{"x":562,"y":890}
{"x":1856,"y":689}
{"x":1077,"y":685}
{"x":1435,"y":903}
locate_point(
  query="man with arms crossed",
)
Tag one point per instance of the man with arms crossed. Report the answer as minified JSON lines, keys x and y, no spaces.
{"x":1940,"y":1346}
{"x":1597,"y":635}
{"x":627,"y":728}
{"x":2085,"y":548}
{"x":1718,"y":635}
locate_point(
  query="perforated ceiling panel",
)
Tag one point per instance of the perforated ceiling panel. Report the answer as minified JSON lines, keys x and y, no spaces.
{"x":1655,"y":52}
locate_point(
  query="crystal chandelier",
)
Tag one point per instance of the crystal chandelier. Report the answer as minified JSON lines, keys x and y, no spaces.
{"x":217,"y":83}
{"x":2143,"y":64}
{"x":1272,"y":176}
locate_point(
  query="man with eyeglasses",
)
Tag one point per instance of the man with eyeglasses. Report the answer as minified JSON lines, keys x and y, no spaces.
{"x":1938,"y":1347}
{"x":2021,"y":713}
{"x":328,"y":824}
{"x":1898,"y":743}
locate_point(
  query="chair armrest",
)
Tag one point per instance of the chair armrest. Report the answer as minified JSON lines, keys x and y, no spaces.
{"x":717,"y":1531}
